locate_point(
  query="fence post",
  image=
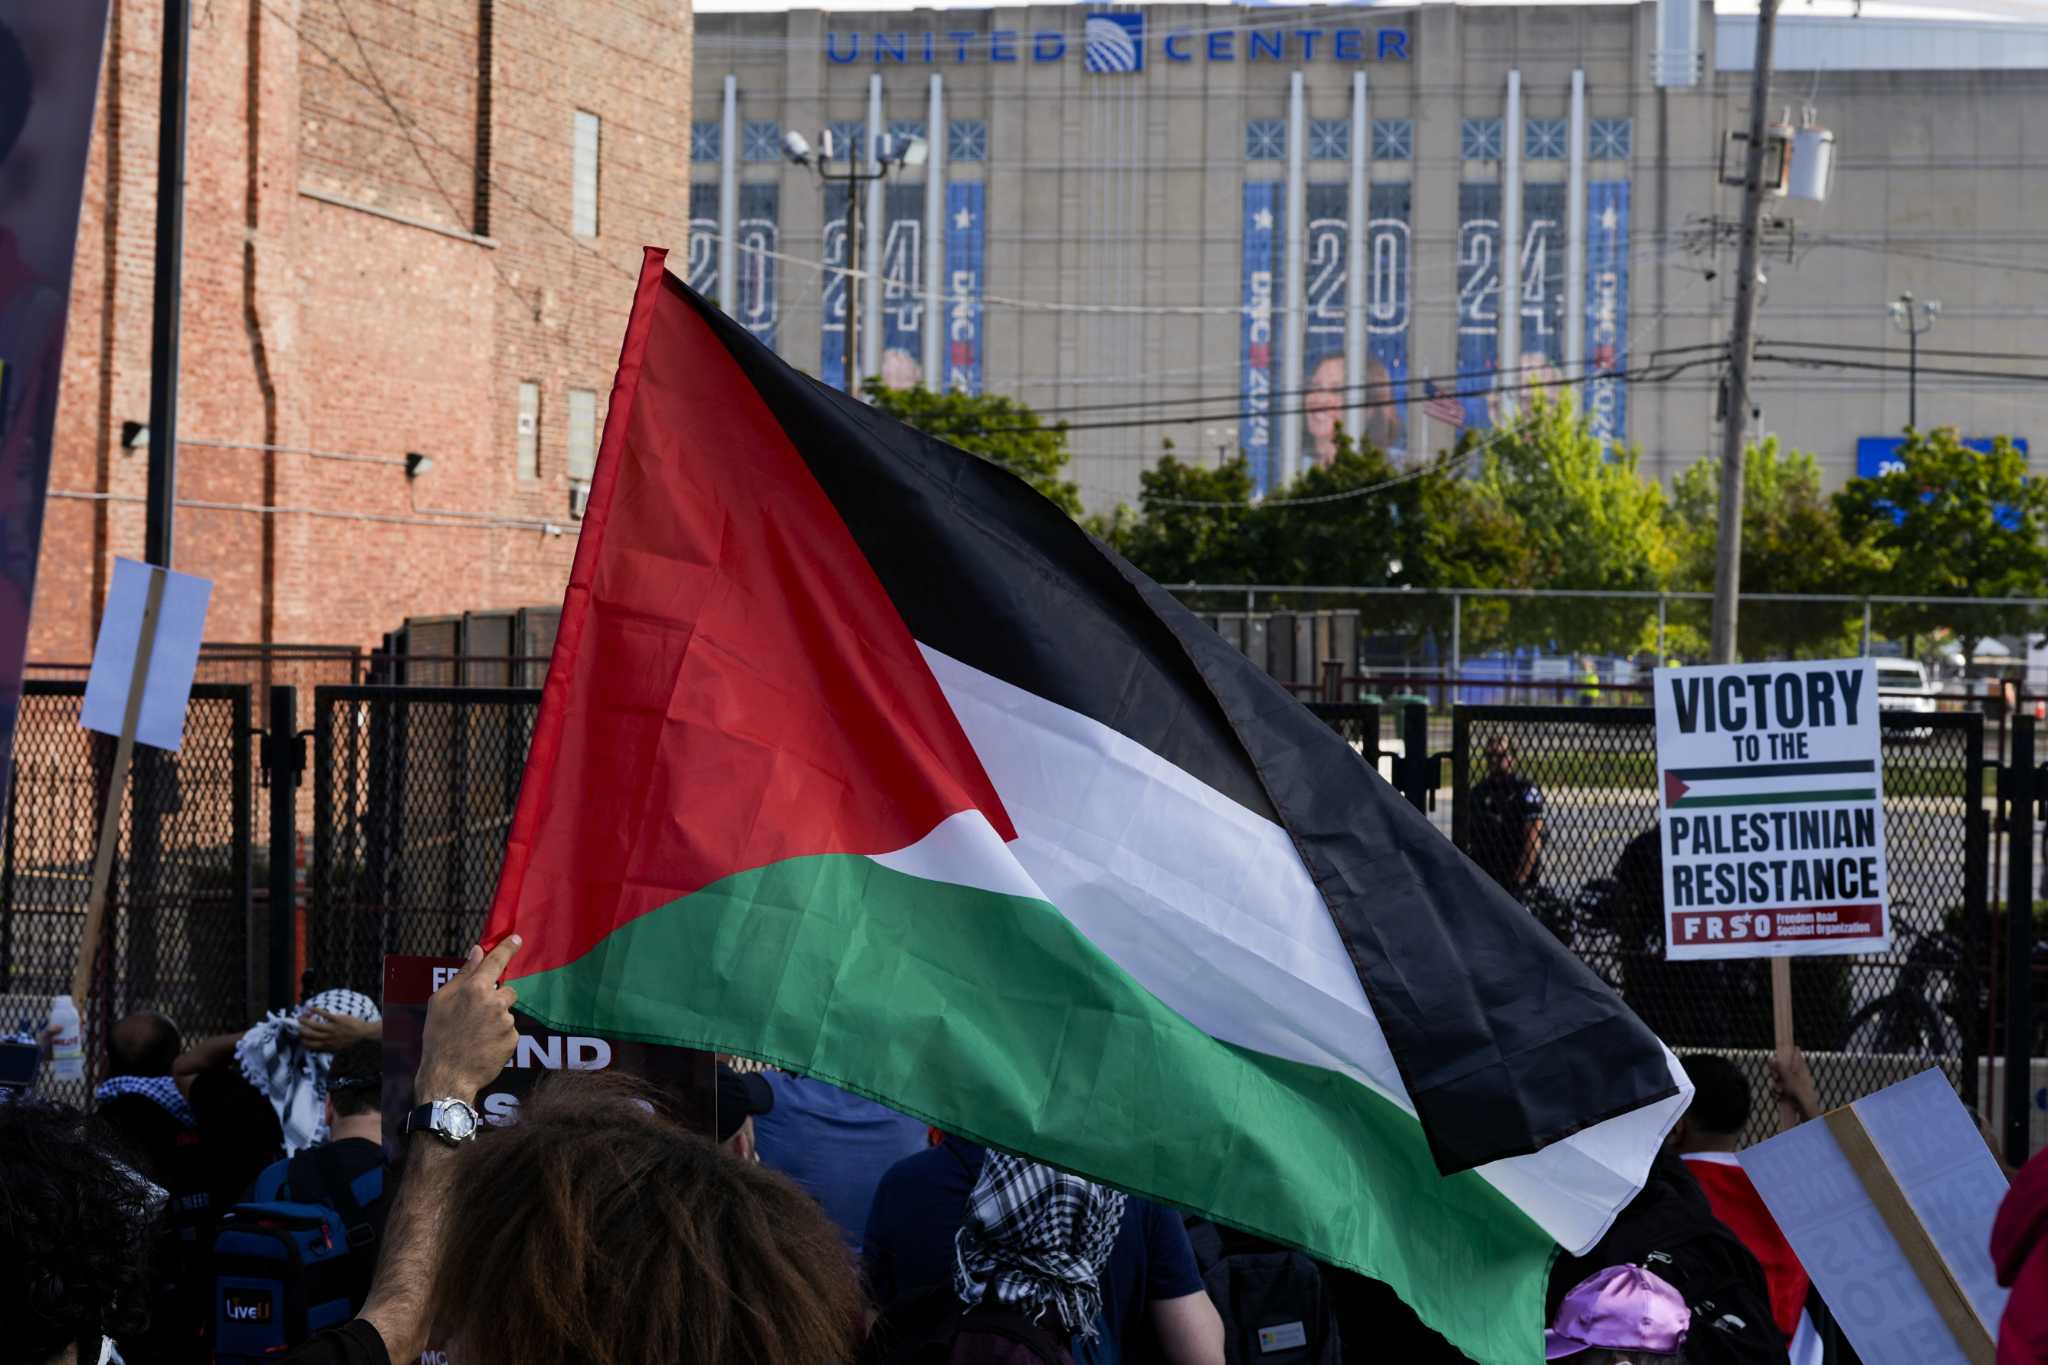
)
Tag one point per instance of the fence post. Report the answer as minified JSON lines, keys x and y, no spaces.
{"x":2020,"y":787}
{"x":1415,"y":764}
{"x":1457,"y":637}
{"x":1661,"y":655}
{"x":1866,"y":628}
{"x":284,"y":764}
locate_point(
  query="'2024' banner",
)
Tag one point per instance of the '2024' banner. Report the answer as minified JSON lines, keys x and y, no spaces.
{"x":753,"y":303}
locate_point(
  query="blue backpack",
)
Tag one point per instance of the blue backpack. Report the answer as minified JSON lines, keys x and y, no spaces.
{"x":284,"y":1268}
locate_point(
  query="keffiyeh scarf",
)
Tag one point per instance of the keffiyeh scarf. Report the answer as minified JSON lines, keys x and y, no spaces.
{"x":1035,"y":1239}
{"x":161,"y":1089}
{"x":291,"y":1075}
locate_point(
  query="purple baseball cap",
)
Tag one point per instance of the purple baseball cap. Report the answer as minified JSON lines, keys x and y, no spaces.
{"x":1621,"y":1308}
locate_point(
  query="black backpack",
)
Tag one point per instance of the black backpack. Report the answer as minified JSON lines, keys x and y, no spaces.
{"x":284,"y":1268}
{"x":1670,"y":1230}
{"x":922,"y":1328}
{"x":1275,"y":1308}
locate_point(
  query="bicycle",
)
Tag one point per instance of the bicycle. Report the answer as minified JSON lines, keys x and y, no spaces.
{"x":1915,"y":1017}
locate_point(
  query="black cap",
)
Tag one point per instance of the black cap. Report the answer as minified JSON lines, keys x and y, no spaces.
{"x":741,"y":1095}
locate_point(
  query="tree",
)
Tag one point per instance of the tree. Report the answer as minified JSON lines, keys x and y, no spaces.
{"x":1340,"y":523}
{"x":998,"y":428}
{"x":1551,"y":508}
{"x":1948,"y":521}
{"x":1792,"y":542}
{"x":1194,"y":524}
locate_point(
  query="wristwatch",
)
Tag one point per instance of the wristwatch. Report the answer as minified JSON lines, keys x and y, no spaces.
{"x":451,"y":1120}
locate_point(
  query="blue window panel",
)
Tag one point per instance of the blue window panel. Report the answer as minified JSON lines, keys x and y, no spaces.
{"x":1393,"y":139}
{"x":1480,"y":139}
{"x":707,"y":140}
{"x":762,"y":140}
{"x":1329,"y":139}
{"x":1545,"y":139}
{"x":1613,"y":139}
{"x":902,"y":129}
{"x":967,"y":140}
{"x":850,"y":141}
{"x":1265,"y":139}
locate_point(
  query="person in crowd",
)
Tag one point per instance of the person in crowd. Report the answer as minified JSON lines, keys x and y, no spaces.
{"x":1152,"y":1287}
{"x":348,"y":1172}
{"x":742,"y":1097}
{"x":1029,"y":1255}
{"x":1707,"y":1137}
{"x":140,"y":1099}
{"x":1671,"y":1226}
{"x":835,"y":1144}
{"x":75,"y":1224}
{"x":1623,"y":1315}
{"x":1507,"y":821}
{"x":285,"y":1058}
{"x":591,"y":1230}
{"x":2019,"y":1253}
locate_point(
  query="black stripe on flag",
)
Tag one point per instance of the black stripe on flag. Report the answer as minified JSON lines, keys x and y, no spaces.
{"x":1505,"y":1042}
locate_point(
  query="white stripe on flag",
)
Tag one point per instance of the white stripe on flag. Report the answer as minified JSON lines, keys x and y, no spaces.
{"x":1208,"y":906}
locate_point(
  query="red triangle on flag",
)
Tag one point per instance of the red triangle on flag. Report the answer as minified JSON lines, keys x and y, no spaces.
{"x":1673,"y":789}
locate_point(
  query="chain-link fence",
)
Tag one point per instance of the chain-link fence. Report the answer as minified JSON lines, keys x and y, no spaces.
{"x":178,"y":909}
{"x":414,"y":790}
{"x":1595,"y":878}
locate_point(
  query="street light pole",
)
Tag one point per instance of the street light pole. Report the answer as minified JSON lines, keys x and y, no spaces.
{"x":892,"y":154}
{"x":1913,"y":321}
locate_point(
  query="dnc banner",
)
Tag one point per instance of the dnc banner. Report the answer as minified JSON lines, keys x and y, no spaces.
{"x":963,"y":275}
{"x":1262,"y":228}
{"x":1478,"y":298}
{"x":903,"y":304}
{"x":1607,"y":308}
{"x":754,"y":303}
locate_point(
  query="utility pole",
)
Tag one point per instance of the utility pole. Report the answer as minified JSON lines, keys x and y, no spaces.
{"x":161,"y":504}
{"x":891,"y":154}
{"x":1913,"y":322}
{"x":1742,"y":346}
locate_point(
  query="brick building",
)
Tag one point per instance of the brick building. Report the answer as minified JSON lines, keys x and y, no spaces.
{"x":411,"y":226}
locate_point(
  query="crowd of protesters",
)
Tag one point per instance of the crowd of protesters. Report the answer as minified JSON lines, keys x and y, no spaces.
{"x":807,"y":1226}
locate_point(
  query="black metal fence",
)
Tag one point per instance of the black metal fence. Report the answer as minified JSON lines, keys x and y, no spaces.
{"x":178,"y":930}
{"x":413,"y":789}
{"x":1864,"y":1021}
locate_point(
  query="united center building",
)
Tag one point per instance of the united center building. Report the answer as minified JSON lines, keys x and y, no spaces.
{"x":1232,"y":229}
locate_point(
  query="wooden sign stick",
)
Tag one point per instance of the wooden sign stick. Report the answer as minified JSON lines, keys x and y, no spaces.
{"x":110,"y":815}
{"x":1781,"y":1027}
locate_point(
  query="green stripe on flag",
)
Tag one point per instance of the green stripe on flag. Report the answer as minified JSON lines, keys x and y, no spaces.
{"x":1775,"y":798}
{"x":993,"y":1017}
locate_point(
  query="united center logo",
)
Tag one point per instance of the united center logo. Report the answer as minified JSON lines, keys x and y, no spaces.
{"x":1113,"y":43}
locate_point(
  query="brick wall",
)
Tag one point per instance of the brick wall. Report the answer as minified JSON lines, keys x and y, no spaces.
{"x":378,"y":251}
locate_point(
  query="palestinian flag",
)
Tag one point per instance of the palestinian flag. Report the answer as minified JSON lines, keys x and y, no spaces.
{"x":859,"y":757}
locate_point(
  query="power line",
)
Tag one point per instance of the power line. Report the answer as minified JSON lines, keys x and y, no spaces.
{"x":1897,"y":350}
{"x":1833,"y":363}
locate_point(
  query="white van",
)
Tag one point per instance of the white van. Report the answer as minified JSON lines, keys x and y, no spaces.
{"x":1903,"y":685}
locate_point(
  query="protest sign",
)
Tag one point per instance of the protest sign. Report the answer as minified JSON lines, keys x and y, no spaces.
{"x":681,"y":1078}
{"x":173,"y":654}
{"x":1770,"y":793}
{"x":1889,"y":1204}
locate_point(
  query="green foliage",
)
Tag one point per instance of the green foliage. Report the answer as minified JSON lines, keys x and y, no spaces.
{"x":1193,"y":524}
{"x":1550,"y":508}
{"x":1949,"y":521}
{"x":999,"y":429}
{"x":1792,"y":542}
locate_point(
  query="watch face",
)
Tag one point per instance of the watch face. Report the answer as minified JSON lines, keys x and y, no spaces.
{"x":458,"y":1121}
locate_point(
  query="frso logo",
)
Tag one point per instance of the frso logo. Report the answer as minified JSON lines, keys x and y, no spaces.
{"x":1113,"y":43}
